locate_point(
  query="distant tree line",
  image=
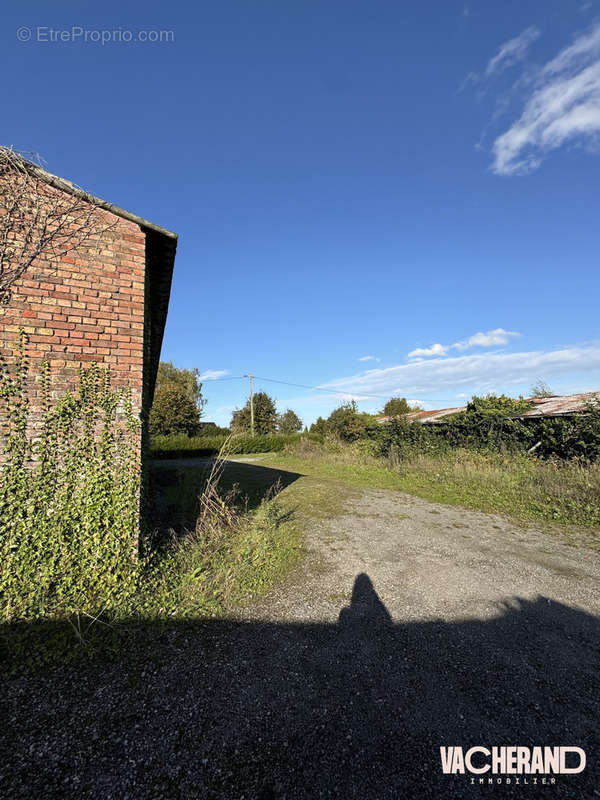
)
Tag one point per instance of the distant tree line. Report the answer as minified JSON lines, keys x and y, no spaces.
{"x":486,"y":423}
{"x":178,"y":407}
{"x":348,"y":423}
{"x":266,"y":418}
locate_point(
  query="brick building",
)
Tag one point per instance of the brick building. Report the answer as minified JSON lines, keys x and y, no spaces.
{"x":106,"y":300}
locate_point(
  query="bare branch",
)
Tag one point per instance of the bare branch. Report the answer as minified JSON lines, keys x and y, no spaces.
{"x":39,"y":221}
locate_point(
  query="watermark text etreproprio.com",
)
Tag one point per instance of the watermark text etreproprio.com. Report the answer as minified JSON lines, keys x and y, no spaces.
{"x":44,"y":34}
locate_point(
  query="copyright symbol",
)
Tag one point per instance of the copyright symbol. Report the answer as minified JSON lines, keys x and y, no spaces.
{"x":23,"y":34}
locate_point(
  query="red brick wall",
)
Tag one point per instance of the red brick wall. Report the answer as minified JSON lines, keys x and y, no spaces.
{"x":89,"y":306}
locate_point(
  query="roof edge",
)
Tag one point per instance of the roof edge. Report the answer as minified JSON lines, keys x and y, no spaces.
{"x":66,"y":186}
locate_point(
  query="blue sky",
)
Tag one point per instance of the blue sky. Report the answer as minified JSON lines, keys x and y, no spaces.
{"x":374,"y":198}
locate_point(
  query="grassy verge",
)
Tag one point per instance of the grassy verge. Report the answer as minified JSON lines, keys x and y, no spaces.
{"x":234,"y":552}
{"x":532,"y":490}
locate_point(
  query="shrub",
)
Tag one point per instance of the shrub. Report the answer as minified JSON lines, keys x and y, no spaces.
{"x":492,"y":404}
{"x":399,"y":436}
{"x":568,"y":437}
{"x":69,"y":497}
{"x":348,"y":423}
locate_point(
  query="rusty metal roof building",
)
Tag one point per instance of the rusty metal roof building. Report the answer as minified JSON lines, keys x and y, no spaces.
{"x":425,"y":416}
{"x":559,"y":405}
{"x":555,"y":406}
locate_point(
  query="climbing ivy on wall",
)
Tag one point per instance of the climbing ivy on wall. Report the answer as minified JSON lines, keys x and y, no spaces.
{"x":69,"y":495}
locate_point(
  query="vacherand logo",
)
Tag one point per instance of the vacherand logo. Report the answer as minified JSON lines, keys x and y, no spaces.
{"x":512,"y":760}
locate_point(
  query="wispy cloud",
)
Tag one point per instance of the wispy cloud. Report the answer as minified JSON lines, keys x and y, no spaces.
{"x":369,"y":358}
{"x":212,"y":374}
{"x":508,"y":54}
{"x":511,"y":52}
{"x":476,"y":372}
{"x":562,"y":105}
{"x":493,"y":338}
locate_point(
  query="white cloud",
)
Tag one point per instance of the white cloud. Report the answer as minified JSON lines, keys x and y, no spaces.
{"x":511,"y":52}
{"x":563,"y":105}
{"x":588,"y":44}
{"x":212,"y":374}
{"x":424,"y":352}
{"x":462,"y":395}
{"x":488,"y":339}
{"x":369,"y":358}
{"x":471,"y":372}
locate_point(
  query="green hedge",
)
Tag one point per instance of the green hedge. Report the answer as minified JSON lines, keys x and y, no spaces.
{"x":207,"y":446}
{"x":566,"y":437}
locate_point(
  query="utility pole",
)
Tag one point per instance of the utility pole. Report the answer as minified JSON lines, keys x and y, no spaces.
{"x":251,"y":406}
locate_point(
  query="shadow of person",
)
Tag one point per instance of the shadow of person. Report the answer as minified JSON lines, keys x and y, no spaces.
{"x":286,"y":710}
{"x":365,"y":609}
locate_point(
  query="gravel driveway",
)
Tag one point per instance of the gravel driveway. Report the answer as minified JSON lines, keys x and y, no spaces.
{"x":409,"y":626}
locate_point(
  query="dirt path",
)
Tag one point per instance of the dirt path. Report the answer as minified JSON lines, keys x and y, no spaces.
{"x":432,"y":561}
{"x":409,"y":626}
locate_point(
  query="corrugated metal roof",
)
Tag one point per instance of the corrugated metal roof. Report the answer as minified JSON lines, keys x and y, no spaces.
{"x":558,"y":405}
{"x":425,"y":416}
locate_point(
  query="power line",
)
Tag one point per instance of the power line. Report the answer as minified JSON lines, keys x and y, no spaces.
{"x":322,"y":389}
{"x":230,"y":378}
{"x":299,"y":386}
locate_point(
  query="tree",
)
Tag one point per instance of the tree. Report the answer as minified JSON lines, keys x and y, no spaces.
{"x":178,"y":401}
{"x":289,"y":422}
{"x":187,"y":379}
{"x":320,"y":426}
{"x":173,"y":412}
{"x":41,"y":218}
{"x":396,"y":406}
{"x":265,"y":416}
{"x":541,"y":389}
{"x":347,"y":422}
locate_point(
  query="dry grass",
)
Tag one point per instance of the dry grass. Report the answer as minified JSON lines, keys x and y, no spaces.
{"x":231,"y":555}
{"x":567,"y":493}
